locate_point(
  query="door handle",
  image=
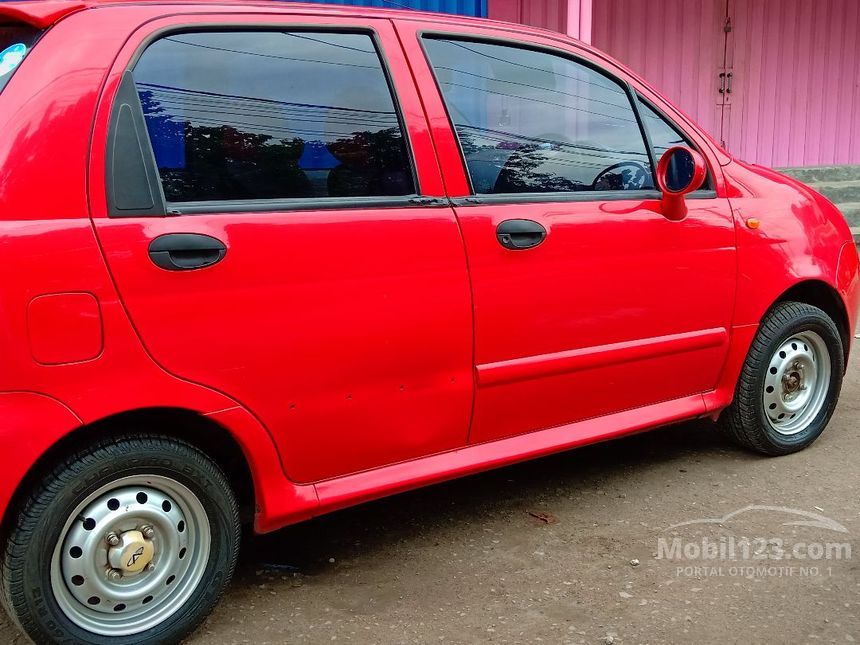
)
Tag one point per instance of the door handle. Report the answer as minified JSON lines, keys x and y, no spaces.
{"x":520,"y":234}
{"x":185,"y":251}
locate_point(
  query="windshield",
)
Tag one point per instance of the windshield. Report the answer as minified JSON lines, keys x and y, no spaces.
{"x":16,"y":41}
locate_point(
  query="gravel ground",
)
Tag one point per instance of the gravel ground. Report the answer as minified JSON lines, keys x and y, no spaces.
{"x":565,"y":549}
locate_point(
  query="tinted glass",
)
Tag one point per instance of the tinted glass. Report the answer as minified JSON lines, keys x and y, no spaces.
{"x":663,"y":136}
{"x":16,"y":41}
{"x":529,"y":121}
{"x":271,"y":115}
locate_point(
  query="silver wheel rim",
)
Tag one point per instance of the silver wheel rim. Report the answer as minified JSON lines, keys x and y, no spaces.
{"x":796,"y":383}
{"x":130,"y":555}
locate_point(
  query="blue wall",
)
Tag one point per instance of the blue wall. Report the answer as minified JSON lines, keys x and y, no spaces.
{"x":462,"y":7}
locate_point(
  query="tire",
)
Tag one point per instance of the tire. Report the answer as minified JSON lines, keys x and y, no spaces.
{"x":176,"y":522}
{"x":784,"y":411}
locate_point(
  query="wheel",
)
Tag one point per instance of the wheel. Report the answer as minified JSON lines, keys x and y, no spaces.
{"x":790,"y":382}
{"x":132,"y":540}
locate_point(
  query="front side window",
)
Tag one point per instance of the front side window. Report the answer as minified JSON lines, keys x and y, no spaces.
{"x":535,"y":122}
{"x":271,"y":115}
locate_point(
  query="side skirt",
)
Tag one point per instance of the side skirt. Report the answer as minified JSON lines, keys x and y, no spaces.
{"x":372,"y":484}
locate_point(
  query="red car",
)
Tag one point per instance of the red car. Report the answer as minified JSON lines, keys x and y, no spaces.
{"x":262,"y":261}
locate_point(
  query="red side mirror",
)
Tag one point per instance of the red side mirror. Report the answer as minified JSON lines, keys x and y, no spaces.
{"x":679,"y":171}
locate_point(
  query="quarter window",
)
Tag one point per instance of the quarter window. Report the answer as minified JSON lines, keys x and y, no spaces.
{"x":271,"y":115}
{"x":663,"y":135}
{"x":534,"y":122}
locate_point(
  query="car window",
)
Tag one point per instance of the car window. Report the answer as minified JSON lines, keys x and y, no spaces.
{"x":662,"y":134}
{"x":16,"y":41}
{"x":271,"y":115}
{"x":534,"y":122}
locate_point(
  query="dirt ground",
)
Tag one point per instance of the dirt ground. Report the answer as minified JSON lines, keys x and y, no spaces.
{"x":565,"y":550}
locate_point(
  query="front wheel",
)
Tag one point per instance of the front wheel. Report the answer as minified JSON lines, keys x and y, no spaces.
{"x":132,"y":540}
{"x":790,"y":382}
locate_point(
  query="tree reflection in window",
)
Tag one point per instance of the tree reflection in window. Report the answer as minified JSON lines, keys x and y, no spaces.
{"x":530,"y":121}
{"x":271,"y":115}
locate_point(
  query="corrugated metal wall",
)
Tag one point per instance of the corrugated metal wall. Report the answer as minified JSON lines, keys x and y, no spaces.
{"x":796,"y":82}
{"x":550,"y":14}
{"x":462,"y":7}
{"x":795,"y":98}
{"x":676,"y":45}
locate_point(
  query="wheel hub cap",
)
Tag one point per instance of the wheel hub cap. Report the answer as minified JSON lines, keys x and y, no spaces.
{"x":796,"y":383}
{"x":130,"y":555}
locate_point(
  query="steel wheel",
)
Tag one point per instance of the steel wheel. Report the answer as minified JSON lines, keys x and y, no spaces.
{"x":130,"y":555}
{"x":797,"y":382}
{"x":789,"y":386}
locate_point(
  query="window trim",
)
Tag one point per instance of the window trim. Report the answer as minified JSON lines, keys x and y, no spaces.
{"x":575,"y":196}
{"x":548,"y":197}
{"x":220,"y":206}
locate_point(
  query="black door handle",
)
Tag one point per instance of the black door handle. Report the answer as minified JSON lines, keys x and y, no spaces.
{"x":519,"y":234}
{"x":184,"y":251}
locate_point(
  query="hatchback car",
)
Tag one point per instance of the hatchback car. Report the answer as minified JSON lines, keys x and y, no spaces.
{"x":265,"y":261}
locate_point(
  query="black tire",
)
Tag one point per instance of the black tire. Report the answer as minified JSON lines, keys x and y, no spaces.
{"x":27,"y":592}
{"x":746,"y":421}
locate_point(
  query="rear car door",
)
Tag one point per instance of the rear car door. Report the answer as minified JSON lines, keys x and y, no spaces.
{"x":587,"y":300}
{"x":268,"y":203}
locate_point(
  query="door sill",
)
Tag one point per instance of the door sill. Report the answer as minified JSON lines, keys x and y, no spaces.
{"x":357,"y":488}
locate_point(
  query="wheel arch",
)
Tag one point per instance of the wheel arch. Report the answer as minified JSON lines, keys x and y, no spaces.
{"x":824,"y":296}
{"x":202,"y":432}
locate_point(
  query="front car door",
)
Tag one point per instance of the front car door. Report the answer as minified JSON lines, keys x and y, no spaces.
{"x":587,"y":300}
{"x":267,"y":213}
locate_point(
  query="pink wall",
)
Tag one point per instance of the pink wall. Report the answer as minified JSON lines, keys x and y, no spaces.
{"x":580,"y":19}
{"x":684,"y":69}
{"x":550,"y":14}
{"x":795,"y":66}
{"x":796,"y":70}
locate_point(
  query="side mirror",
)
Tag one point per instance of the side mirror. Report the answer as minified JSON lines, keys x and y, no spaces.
{"x":679,"y":171}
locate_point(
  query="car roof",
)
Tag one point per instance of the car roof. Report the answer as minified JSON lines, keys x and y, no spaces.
{"x":44,"y":13}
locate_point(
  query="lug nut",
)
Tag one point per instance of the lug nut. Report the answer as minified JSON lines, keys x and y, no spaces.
{"x":114,"y":575}
{"x":148,"y":532}
{"x":150,"y":567}
{"x":112,"y":539}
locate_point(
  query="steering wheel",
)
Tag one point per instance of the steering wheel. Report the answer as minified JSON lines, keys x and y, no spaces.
{"x":624,"y":175}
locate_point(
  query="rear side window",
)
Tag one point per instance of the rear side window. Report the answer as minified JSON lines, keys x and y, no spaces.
{"x":535,"y":122}
{"x":16,"y":41}
{"x":271,"y":115}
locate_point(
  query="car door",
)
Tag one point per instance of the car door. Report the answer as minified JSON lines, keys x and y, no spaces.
{"x":587,"y":300}
{"x":270,"y":213}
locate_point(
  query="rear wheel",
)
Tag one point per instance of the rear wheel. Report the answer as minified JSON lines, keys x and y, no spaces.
{"x":790,"y":382}
{"x":130,"y":541}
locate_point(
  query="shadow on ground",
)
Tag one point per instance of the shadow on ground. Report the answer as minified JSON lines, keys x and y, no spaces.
{"x":308,"y":547}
